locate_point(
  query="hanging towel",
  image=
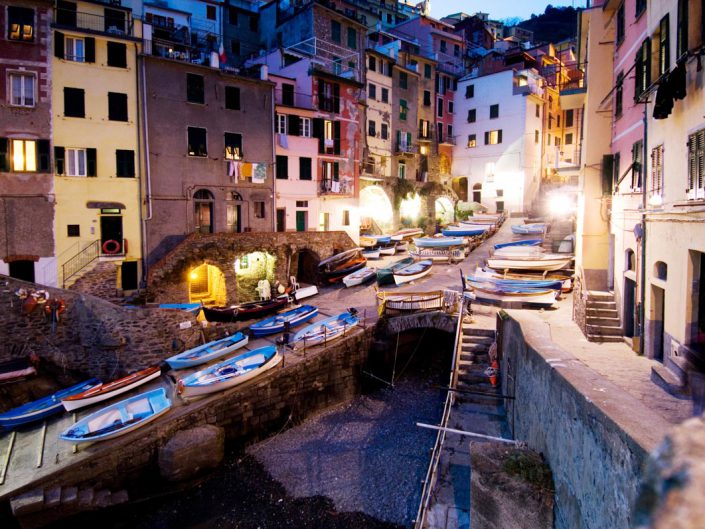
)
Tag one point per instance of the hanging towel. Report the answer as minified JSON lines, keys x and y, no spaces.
{"x":664,"y":100}
{"x":246,"y":170}
{"x":283,"y":141}
{"x":259,"y":173}
{"x":231,"y":170}
{"x":677,"y":81}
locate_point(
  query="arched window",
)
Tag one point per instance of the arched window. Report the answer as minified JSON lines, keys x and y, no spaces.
{"x":629,"y":260}
{"x":661,"y":270}
{"x":203,"y":211}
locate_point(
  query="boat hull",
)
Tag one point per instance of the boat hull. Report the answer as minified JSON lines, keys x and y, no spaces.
{"x":361,"y":276}
{"x":413,"y":272}
{"x":207,"y":352}
{"x":91,"y":397}
{"x":438,"y":242}
{"x":335,"y":327}
{"x":541,"y":299}
{"x":525,"y":242}
{"x":245,"y":311}
{"x":546,"y":265}
{"x":275,"y":324}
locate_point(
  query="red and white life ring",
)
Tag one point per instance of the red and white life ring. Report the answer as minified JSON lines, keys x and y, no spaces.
{"x":111,"y":247}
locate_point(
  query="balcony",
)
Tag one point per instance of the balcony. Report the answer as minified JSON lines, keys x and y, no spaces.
{"x":115,"y":22}
{"x":327,"y":56}
{"x":345,"y":186}
{"x":405,"y":148}
{"x":446,"y":140}
{"x":288,"y":98}
{"x":425,"y":136}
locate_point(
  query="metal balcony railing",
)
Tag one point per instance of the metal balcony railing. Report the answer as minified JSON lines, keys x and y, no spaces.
{"x":290,"y":98}
{"x":115,"y":22}
{"x":342,"y":186}
{"x":402,"y":147}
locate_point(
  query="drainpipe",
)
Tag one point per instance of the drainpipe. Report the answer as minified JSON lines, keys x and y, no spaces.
{"x":148,"y":172}
{"x":264,"y":76}
{"x":642,"y":311}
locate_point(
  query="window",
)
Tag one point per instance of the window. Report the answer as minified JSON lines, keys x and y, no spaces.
{"x":642,"y":71}
{"x":619,"y":95}
{"x":451,"y":107}
{"x":385,"y":95}
{"x":328,"y":96}
{"x":73,"y":230}
{"x":282,"y":172}
{"x":233,"y":146}
{"x":22,"y":89}
{"x":640,"y":7}
{"x":335,"y":31}
{"x":302,"y":203}
{"x":637,"y":158}
{"x":444,"y":46}
{"x":76,"y":162}
{"x":402,"y":109}
{"x":620,"y":23}
{"x":74,"y":106}
{"x":538,"y":111}
{"x":124,"y":163}
{"x":305,"y":127}
{"x":427,"y":72}
{"x":427,"y":98}
{"x":331,"y":173}
{"x":548,"y":139}
{"x":372,"y":63}
{"x":401,"y":169}
{"x":493,"y":137}
{"x":616,"y":175}
{"x":232,"y":98}
{"x":372,"y":128}
{"x":403,"y":80}
{"x":569,"y":116}
{"x":372,"y":91}
{"x":472,"y":140}
{"x":657,"y":170}
{"x":469,"y":91}
{"x":472,"y":115}
{"x":20,"y":23}
{"x":664,"y":59}
{"x":259,"y":209}
{"x":352,"y":38}
{"x":197,"y":142}
{"x":682,"y":28}
{"x":696,"y":164}
{"x":569,"y":139}
{"x":210,"y":12}
{"x":558,"y":120}
{"x":24,"y":155}
{"x":494,"y":111}
{"x":117,"y":54}
{"x":346,"y":217}
{"x":550,"y":121}
{"x":385,"y":131}
{"x":439,"y":107}
{"x":536,"y":136}
{"x":304,"y":171}
{"x":557,"y":141}
{"x":195,"y":88}
{"x":117,"y":106}
{"x":450,"y":133}
{"x":424,"y":129}
{"x":74,"y":49}
{"x":232,"y":16}
{"x":280,"y":126}
{"x":288,"y":94}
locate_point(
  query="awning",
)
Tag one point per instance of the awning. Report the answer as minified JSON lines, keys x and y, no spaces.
{"x":105,"y":205}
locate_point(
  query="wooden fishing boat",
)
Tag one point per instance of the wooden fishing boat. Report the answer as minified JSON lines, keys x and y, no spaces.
{"x":371,"y":253}
{"x":406,"y":234}
{"x":119,"y":418}
{"x":193,"y":308}
{"x":411,"y":301}
{"x":388,"y":249}
{"x":438,"y":255}
{"x":403,"y":245}
{"x":351,"y":266}
{"x":278,"y":322}
{"x":385,"y":276}
{"x":529,"y":229}
{"x":519,"y":251}
{"x":44,"y":407}
{"x":17,"y":369}
{"x":525,"y":242}
{"x":492,"y":294}
{"x":236,"y":370}
{"x":325,"y":330}
{"x":461,"y":231}
{"x":515,"y":284}
{"x":438,"y":242}
{"x":207,"y":352}
{"x":360,"y":277}
{"x":338,"y":260}
{"x":412,"y":272}
{"x":374,"y":240}
{"x":244,"y":311}
{"x":476,"y":221}
{"x":111,"y":389}
{"x":545,"y":263}
{"x":566,"y":280}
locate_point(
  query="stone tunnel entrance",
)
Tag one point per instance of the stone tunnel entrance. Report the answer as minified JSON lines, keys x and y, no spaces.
{"x":250,"y":270}
{"x":207,"y":285}
{"x":304,"y":266}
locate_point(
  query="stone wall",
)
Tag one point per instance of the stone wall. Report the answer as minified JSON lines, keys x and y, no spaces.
{"x":594,"y":436}
{"x":580,"y":303}
{"x":93,"y":336}
{"x":168,"y":280}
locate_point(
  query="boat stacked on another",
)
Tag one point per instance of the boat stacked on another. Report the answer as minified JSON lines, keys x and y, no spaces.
{"x":207,"y":352}
{"x":334,"y":268}
{"x":438,"y":242}
{"x":412,"y":272}
{"x":406,"y":234}
{"x":490,"y":293}
{"x":245,"y":311}
{"x":545,"y":262}
{"x":385,"y":276}
{"x":465,"y":231}
{"x":523,"y":242}
{"x":451,"y":255}
{"x":371,"y":253}
{"x":279,"y":322}
{"x":368,"y":240}
{"x":119,"y":418}
{"x":325,"y":330}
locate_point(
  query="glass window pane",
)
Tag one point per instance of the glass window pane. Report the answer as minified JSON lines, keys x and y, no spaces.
{"x":30,"y":156}
{"x":29,"y":90}
{"x":16,"y":90}
{"x":17,"y":155}
{"x":81,"y":163}
{"x":71,"y":156}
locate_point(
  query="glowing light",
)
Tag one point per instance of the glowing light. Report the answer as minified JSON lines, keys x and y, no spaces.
{"x":424,"y":149}
{"x":375,"y":204}
{"x":194,"y":275}
{"x":561,"y":205}
{"x":410,"y":207}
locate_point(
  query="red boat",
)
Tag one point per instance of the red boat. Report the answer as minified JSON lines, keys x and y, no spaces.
{"x":334,"y":268}
{"x":244,"y":311}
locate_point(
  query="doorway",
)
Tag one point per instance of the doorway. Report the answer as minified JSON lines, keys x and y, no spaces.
{"x":232,"y":218}
{"x":477,"y":193}
{"x":323,"y":221}
{"x":111,"y":230}
{"x":658,"y":300}
{"x":629,"y":299}
{"x":301,"y":220}
{"x":203,"y":214}
{"x":281,"y":219}
{"x":23,"y":270}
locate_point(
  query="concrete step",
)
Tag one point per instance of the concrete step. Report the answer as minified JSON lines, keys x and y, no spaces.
{"x":601,"y":305}
{"x":604,"y":330}
{"x":665,"y":378}
{"x":603,"y":321}
{"x":602,"y":338}
{"x":602,"y":313}
{"x":474,"y":349}
{"x":680,"y":366}
{"x":474,"y":358}
{"x":478,"y":339}
{"x":598,"y":295}
{"x":468,"y":329}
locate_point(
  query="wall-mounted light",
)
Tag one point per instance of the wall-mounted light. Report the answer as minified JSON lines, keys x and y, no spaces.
{"x":194,"y":275}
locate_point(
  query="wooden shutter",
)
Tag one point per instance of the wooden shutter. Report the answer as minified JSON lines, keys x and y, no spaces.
{"x":487,"y":137}
{"x":499,"y":136}
{"x":318,"y":132}
{"x":58,"y":44}
{"x":43,"y":159}
{"x":91,"y":162}
{"x":90,"y":49}
{"x":336,"y":171}
{"x":336,"y":98}
{"x":321,"y":96}
{"x":4,"y":155}
{"x":59,"y":160}
{"x":336,"y":137}
{"x":607,"y":173}
{"x":293,"y":125}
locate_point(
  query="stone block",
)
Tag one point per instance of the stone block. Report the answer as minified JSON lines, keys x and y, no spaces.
{"x":190,"y":451}
{"x":27,"y":503}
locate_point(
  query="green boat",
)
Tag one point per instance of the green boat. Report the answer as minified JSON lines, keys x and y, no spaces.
{"x":385,"y":276}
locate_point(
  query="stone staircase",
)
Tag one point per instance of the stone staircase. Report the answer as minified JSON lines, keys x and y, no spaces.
{"x":472,"y":364}
{"x":100,"y":280}
{"x":602,"y":323}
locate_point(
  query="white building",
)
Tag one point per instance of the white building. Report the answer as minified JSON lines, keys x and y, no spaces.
{"x":498,"y":124}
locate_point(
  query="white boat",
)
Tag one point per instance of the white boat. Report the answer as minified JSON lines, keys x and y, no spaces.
{"x":412,"y":272}
{"x":546,"y":263}
{"x":519,"y":251}
{"x":411,"y":301}
{"x":325,"y":330}
{"x":540,"y":298}
{"x":480,"y":221}
{"x":388,"y":250}
{"x":438,"y":242}
{"x":207,"y":352}
{"x":361,"y":276}
{"x":304,"y":291}
{"x":403,"y":245}
{"x":371,"y":253}
{"x":439,"y":255}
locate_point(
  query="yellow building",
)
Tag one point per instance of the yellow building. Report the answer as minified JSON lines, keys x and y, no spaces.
{"x":96,"y":137}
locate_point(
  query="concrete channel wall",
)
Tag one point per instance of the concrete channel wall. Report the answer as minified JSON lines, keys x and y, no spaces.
{"x":595,"y":437}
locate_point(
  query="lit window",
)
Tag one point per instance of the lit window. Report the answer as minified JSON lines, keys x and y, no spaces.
{"x":22,"y":89}
{"x":76,"y":162}
{"x":75,"y":49}
{"x":20,"y":23}
{"x":328,"y":130}
{"x":24,"y":155}
{"x":493,"y":137}
{"x":472,"y":141}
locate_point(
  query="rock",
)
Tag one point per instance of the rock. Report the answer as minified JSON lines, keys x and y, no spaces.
{"x":671,"y":492}
{"x":28,"y":502}
{"x":190,"y":451}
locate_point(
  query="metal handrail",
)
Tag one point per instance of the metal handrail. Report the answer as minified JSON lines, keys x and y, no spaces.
{"x":432,"y":472}
{"x":79,"y":261}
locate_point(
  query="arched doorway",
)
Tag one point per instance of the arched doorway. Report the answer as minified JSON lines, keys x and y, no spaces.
{"x":306,"y":263}
{"x":203,"y":211}
{"x":460,"y":187}
{"x":477,"y":193}
{"x":206,"y":283}
{"x":375,"y":208}
{"x":444,"y":210}
{"x":252,"y":268}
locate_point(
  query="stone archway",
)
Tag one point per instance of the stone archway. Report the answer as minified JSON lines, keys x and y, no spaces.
{"x":206,"y":284}
{"x":444,"y":210}
{"x":304,"y":266}
{"x":250,"y":269}
{"x":375,"y":206}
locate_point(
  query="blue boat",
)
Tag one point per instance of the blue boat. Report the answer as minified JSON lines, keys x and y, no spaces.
{"x":207,"y":352}
{"x":541,"y":284}
{"x":44,"y":407}
{"x":438,"y":242}
{"x":529,"y":229}
{"x":277,"y":323}
{"x":325,"y":330}
{"x":119,"y":418}
{"x":193,"y":308}
{"x":525,"y":242}
{"x":463,"y":232}
{"x":232,"y":372}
